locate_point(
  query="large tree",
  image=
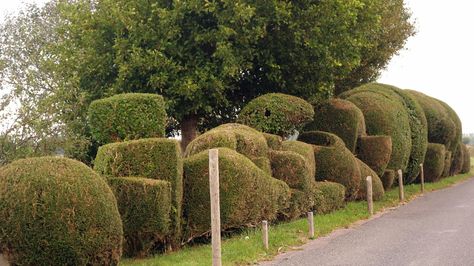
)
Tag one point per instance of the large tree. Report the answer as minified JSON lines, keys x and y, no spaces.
{"x":208,"y":58}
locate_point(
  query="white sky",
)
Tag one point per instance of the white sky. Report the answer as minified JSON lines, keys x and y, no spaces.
{"x":437,"y":60}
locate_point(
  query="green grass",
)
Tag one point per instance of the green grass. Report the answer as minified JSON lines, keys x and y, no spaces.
{"x":246,"y":247}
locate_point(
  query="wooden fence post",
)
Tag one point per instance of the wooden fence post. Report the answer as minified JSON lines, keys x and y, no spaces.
{"x":422,"y":177}
{"x":215,"y":206}
{"x":370,"y":200}
{"x":401,"y":192}
{"x":311,"y":224}
{"x":265,"y":234}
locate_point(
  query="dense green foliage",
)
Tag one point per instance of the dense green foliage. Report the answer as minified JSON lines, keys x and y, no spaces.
{"x":334,"y":162}
{"x":385,"y":115}
{"x":457,"y":160}
{"x":56,"y":211}
{"x":447,"y":163}
{"x":328,"y":197}
{"x":304,"y":149}
{"x":277,"y":113}
{"x":247,"y":194}
{"x":127,"y":116}
{"x":145,"y":206}
{"x":274,"y":142}
{"x":434,"y":162}
{"x":154,"y":158}
{"x":339,"y":117}
{"x":377,"y":185}
{"x":375,"y":151}
{"x":388,"y":179}
{"x":241,"y":138}
{"x":466,"y":165}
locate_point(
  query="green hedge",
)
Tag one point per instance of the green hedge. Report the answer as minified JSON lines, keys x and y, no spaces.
{"x":241,"y":138}
{"x":385,"y":114}
{"x":277,"y":113}
{"x":457,"y":160}
{"x":334,"y":162}
{"x":154,"y":158}
{"x":434,"y":162}
{"x":57,"y":211}
{"x":466,"y":165}
{"x":247,"y":194}
{"x":304,"y":149}
{"x":457,"y":124}
{"x":145,"y":208}
{"x":341,"y":118}
{"x":447,"y":163}
{"x":273,"y":141}
{"x":328,"y":197}
{"x":127,"y":116}
{"x":375,"y":151}
{"x":377,"y":185}
{"x":388,"y":178}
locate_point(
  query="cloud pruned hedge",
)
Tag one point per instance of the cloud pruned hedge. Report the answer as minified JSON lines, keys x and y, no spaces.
{"x":57,"y":211}
{"x":248,"y":195}
{"x":466,"y":165}
{"x":127,"y":116}
{"x":377,"y":185}
{"x":388,"y":178}
{"x":375,"y":151}
{"x":328,"y":196}
{"x":277,"y":113}
{"x":434,"y":162}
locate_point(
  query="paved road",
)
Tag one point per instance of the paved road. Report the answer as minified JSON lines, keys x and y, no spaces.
{"x":435,"y":229}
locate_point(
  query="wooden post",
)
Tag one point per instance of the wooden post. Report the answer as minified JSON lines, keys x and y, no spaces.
{"x":370,"y":200}
{"x":422,"y":177}
{"x":265,"y":234}
{"x":401,"y":192}
{"x":215,"y":206}
{"x":311,"y":224}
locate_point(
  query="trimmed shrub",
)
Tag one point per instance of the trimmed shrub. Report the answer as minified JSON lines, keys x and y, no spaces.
{"x":341,"y":118}
{"x":154,"y":158}
{"x":328,"y":196}
{"x":145,"y":207}
{"x":127,"y":116}
{"x":57,"y":211}
{"x":273,"y":141}
{"x":458,"y":126}
{"x":434,"y":162}
{"x":277,"y":113}
{"x":304,"y":149}
{"x":387,"y":179}
{"x":241,"y":138}
{"x":466,"y":165}
{"x":441,"y":127}
{"x":248,"y":195}
{"x":457,"y":160}
{"x":334,"y":162}
{"x":385,"y":114}
{"x":377,"y":186}
{"x":375,"y":151}
{"x":447,"y":163}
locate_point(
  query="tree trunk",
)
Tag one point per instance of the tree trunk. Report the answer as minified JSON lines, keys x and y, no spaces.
{"x":188,"y":130}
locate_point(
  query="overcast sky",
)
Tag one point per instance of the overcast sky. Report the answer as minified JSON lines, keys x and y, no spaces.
{"x":437,"y":60}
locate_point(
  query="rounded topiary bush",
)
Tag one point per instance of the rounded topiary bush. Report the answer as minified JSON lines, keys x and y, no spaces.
{"x":304,"y":149}
{"x":385,"y":114}
{"x":340,"y":117}
{"x":127,"y":116}
{"x":273,"y":141}
{"x":328,"y":196}
{"x":457,"y":123}
{"x":334,"y":162}
{"x":57,"y":211}
{"x":447,"y":163}
{"x":238,"y":137}
{"x":375,"y":151}
{"x":277,"y":113}
{"x":466,"y":165}
{"x":457,"y":160}
{"x":247,"y":194}
{"x":434,"y":162}
{"x":388,"y":178}
{"x":377,"y":185}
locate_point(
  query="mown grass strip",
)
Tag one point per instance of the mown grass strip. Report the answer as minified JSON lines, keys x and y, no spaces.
{"x":247,"y":248}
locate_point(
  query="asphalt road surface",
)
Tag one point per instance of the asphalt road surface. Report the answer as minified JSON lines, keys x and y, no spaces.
{"x":435,"y":229}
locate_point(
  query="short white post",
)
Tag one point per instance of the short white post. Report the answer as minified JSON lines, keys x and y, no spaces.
{"x":422,"y":177}
{"x":265,"y":234}
{"x":401,"y":192}
{"x":311,"y":224}
{"x":370,"y":199}
{"x":215,"y":206}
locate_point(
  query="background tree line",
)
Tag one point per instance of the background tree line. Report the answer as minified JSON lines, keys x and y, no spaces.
{"x":207,"y":58}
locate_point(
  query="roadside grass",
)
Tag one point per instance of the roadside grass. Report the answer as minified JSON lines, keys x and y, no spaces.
{"x":246,"y":247}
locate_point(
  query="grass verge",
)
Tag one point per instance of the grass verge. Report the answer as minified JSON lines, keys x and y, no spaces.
{"x":246,"y":247}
